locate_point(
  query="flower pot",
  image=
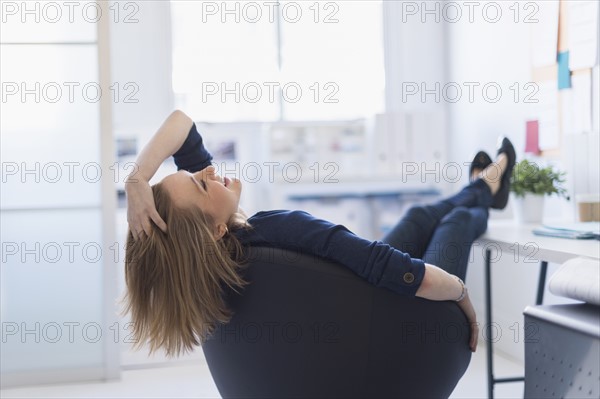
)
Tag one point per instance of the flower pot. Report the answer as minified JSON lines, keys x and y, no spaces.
{"x":529,"y":209}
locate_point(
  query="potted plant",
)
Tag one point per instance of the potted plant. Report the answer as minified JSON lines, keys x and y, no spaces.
{"x":529,"y":184}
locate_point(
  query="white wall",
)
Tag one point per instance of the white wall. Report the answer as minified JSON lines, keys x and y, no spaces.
{"x":486,"y":52}
{"x":416,"y":124}
{"x":141,"y":55}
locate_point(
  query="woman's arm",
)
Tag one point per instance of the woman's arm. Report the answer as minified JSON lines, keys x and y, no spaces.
{"x":438,"y":285}
{"x":165,"y":142}
{"x":141,"y":209}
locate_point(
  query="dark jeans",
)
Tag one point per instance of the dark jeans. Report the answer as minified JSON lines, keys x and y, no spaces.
{"x":442,"y":234}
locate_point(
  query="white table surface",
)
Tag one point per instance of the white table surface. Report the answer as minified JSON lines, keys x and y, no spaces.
{"x":518,"y":239}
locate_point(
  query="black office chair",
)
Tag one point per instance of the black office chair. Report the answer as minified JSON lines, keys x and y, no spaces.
{"x":309,"y":328}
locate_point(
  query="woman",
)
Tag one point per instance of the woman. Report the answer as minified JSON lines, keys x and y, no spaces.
{"x":187,"y":236}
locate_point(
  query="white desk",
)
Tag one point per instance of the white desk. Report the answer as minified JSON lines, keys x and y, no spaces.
{"x":510,"y":236}
{"x":514,"y":239}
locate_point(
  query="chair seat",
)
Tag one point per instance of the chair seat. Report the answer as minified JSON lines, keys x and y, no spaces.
{"x":306,"y":327}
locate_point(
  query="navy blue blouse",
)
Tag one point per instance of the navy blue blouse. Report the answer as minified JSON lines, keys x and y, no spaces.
{"x":377,"y":262}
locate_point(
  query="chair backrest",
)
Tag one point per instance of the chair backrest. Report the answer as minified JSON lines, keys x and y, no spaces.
{"x":306,"y":327}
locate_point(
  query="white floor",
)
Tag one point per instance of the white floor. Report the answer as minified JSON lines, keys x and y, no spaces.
{"x":474,"y":382}
{"x":193,"y":380}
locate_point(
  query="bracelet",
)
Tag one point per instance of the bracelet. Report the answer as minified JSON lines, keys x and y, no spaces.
{"x":463,"y":294}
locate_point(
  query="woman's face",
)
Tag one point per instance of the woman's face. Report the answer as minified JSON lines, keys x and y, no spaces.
{"x":219,"y":197}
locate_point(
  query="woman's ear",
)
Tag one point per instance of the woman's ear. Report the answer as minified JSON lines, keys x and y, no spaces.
{"x":221,"y":231}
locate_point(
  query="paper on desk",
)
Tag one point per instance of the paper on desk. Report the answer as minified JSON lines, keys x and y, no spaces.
{"x":578,"y":279}
{"x":544,"y":34}
{"x":583,"y":33}
{"x":574,"y":231}
{"x":564,"y":232}
{"x":581,"y":227}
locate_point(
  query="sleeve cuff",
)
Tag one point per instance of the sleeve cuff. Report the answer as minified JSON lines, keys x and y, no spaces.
{"x":406,"y":277}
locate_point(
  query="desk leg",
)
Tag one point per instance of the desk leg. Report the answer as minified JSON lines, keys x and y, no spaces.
{"x":488,"y":318}
{"x":488,"y":321}
{"x":541,"y":283}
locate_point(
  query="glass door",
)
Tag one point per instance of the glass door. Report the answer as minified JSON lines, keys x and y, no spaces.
{"x":57,"y":201}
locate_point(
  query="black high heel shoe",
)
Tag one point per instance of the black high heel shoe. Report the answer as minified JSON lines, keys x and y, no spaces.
{"x":501,"y":197}
{"x":480,"y":161}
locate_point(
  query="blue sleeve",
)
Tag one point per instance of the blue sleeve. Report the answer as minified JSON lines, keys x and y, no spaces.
{"x":377,"y":262}
{"x":192,"y":156}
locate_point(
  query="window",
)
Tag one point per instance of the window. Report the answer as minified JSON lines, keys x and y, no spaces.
{"x":266,"y":61}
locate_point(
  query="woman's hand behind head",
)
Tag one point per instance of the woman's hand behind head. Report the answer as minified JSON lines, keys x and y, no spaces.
{"x":141,"y":209}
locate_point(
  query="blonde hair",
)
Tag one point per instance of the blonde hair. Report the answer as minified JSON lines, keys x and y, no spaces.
{"x":176,"y":280}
